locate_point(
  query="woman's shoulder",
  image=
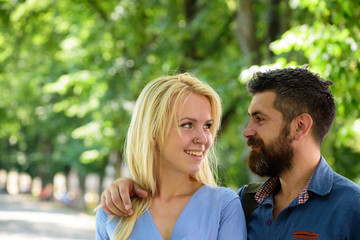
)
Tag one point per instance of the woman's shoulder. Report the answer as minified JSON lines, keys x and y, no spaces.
{"x":218,"y":199}
{"x":217,"y":189}
{"x":104,"y":217}
{"x":101,"y":215}
{"x":223,"y":193}
{"x":106,"y":221}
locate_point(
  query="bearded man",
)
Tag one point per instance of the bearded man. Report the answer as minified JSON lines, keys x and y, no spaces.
{"x":291,"y":112}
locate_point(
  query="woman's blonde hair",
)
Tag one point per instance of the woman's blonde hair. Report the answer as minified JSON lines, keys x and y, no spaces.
{"x":154,"y":113}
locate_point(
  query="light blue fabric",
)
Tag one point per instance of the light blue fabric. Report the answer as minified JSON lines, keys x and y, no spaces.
{"x":331,"y":212}
{"x":211,"y":213}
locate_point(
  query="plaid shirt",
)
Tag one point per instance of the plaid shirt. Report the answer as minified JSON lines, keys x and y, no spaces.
{"x":273,"y":184}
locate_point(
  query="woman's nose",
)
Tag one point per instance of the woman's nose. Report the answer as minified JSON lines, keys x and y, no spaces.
{"x":200,"y":138}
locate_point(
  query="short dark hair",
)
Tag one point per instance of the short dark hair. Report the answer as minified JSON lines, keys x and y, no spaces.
{"x":298,"y":90}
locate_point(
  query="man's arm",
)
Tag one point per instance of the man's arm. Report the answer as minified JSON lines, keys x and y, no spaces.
{"x":115,"y":199}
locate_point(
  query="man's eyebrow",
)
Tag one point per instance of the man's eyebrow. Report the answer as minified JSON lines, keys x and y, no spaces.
{"x":257,"y":113}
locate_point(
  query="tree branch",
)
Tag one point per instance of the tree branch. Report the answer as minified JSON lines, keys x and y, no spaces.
{"x":98,"y":9}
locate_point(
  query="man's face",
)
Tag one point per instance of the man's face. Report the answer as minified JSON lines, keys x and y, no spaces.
{"x":268,"y":136}
{"x":272,"y":159}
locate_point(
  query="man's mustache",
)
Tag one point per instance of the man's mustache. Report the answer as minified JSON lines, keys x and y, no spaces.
{"x":255,"y":142}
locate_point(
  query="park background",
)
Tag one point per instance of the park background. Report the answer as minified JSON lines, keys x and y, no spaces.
{"x":71,"y":71}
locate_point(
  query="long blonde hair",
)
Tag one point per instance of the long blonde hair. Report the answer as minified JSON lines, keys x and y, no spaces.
{"x":155,"y":108}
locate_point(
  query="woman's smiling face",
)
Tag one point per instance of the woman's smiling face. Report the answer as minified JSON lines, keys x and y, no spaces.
{"x":190,"y":137}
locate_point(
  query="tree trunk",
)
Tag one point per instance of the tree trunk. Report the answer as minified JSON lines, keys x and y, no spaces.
{"x":274,"y":27}
{"x":80,"y":203}
{"x":246,"y":32}
{"x":190,"y":12}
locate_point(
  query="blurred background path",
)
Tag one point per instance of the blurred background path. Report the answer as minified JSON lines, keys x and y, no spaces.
{"x":24,"y":219}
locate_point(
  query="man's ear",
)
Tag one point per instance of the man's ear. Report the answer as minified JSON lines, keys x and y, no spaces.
{"x":303,"y":124}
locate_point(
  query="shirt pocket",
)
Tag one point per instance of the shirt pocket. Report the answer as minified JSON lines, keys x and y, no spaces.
{"x":305,"y":235}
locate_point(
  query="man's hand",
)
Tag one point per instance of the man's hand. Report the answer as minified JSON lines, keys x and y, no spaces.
{"x":115,"y":199}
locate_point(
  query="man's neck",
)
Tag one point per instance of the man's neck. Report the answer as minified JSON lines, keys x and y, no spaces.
{"x":294,"y":181}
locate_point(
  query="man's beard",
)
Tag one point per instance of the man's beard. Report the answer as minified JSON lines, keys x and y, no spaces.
{"x":274,"y":159}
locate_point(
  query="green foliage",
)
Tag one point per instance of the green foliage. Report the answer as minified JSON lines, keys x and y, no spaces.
{"x":70,"y":73}
{"x":330,"y":45}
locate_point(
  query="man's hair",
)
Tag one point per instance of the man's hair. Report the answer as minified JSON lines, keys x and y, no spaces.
{"x":298,"y":91}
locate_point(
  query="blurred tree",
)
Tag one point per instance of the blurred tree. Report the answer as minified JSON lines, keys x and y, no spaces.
{"x":329,"y":43}
{"x":70,"y":72}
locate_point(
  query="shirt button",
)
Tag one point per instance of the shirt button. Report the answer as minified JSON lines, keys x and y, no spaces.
{"x":268,"y":222}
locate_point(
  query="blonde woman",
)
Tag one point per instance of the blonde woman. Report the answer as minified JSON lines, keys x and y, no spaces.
{"x":171,"y":134}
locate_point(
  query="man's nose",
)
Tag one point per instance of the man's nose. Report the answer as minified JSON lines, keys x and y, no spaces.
{"x":248,"y":131}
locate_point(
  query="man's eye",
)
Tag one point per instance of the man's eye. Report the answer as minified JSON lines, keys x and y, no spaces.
{"x":259,"y":119}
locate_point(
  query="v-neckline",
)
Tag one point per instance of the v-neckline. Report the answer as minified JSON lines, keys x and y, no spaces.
{"x":178,"y":219}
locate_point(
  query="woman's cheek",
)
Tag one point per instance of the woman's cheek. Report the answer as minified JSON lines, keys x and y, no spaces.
{"x":210,"y":140}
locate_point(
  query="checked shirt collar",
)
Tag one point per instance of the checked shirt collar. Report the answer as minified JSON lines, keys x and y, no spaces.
{"x":273,"y":184}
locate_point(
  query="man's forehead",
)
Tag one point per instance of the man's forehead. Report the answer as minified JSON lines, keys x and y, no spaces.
{"x":263,"y":101}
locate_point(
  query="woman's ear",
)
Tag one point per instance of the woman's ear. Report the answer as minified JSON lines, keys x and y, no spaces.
{"x":303,"y":124}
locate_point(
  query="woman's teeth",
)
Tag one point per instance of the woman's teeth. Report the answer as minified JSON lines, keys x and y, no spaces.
{"x":198,"y":154}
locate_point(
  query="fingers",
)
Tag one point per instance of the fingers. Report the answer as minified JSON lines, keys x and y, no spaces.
{"x":104,"y":206}
{"x":139,"y":192}
{"x":108,"y":205}
{"x":116,"y":199}
{"x":125,"y":197}
{"x":128,"y":188}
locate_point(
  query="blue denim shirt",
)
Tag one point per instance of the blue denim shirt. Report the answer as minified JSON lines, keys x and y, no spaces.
{"x":331,"y":212}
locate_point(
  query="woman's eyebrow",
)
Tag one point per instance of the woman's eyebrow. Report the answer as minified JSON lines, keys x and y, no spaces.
{"x":193,"y":119}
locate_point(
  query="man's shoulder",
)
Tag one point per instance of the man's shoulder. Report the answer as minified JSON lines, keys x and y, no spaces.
{"x":344,"y":184}
{"x":250,"y":188}
{"x":326,"y":180}
{"x":344,"y":194}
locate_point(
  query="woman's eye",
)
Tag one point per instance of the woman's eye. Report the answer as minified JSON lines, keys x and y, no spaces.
{"x":207,"y":126}
{"x":186,"y":125}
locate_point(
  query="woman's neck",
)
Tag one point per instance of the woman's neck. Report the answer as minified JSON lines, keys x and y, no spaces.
{"x":176,"y":184}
